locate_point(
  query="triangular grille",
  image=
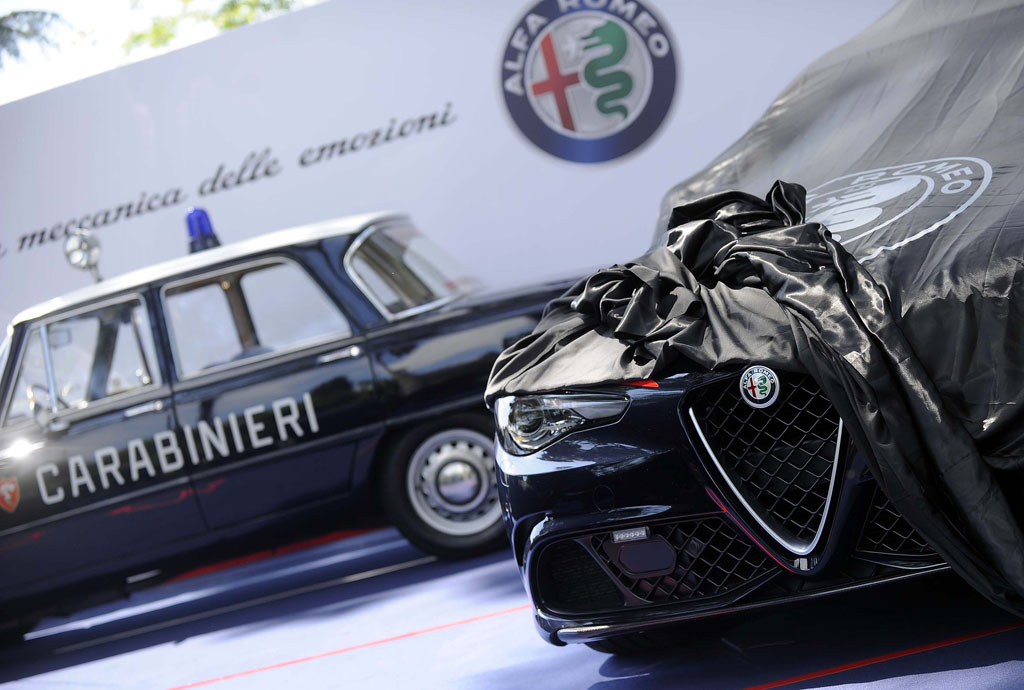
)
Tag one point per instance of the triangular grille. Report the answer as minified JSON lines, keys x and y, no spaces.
{"x":780,"y":459}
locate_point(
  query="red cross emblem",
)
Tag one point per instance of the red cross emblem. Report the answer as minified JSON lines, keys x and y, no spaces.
{"x":557,"y":83}
{"x":752,"y":388}
{"x":10,"y":493}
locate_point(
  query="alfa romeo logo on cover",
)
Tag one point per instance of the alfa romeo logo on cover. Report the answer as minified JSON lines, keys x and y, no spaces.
{"x":759,"y":386}
{"x":883,"y":209}
{"x":589,"y":80}
{"x":10,"y":493}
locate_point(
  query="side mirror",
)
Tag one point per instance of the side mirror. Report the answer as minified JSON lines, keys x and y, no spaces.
{"x":42,"y":414}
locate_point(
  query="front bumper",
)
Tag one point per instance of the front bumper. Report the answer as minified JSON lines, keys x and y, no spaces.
{"x":652,"y":470}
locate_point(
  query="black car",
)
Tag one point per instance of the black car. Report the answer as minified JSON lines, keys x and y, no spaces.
{"x":650,"y":503}
{"x":284,"y":379}
{"x":733,"y":483}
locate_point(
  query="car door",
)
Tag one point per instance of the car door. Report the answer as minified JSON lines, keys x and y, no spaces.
{"x":273,"y":387}
{"x":94,"y":480}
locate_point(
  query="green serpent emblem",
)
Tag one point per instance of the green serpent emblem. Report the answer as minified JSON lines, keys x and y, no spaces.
{"x":596,"y":74}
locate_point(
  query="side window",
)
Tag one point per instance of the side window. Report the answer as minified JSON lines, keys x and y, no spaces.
{"x":288,"y":307}
{"x":246,"y":313}
{"x":31,"y":373}
{"x":202,"y":327}
{"x":94,"y":355}
{"x":400,"y":269}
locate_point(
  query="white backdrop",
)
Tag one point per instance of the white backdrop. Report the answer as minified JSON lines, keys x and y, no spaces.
{"x":154,"y":131}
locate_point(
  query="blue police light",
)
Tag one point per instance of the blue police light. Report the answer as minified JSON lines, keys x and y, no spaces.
{"x":200,"y":230}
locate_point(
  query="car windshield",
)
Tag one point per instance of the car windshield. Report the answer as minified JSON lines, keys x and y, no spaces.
{"x":400,"y":269}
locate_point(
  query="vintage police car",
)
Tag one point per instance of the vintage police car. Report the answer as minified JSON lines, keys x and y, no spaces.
{"x":199,"y":400}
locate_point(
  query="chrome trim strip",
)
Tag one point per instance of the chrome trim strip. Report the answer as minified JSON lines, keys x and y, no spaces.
{"x":144,"y":408}
{"x":51,"y":382}
{"x":595,"y":631}
{"x":344,"y":353}
{"x":794,"y":548}
{"x":98,"y":505}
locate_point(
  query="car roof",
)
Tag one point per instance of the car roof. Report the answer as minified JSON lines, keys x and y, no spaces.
{"x":347,"y":225}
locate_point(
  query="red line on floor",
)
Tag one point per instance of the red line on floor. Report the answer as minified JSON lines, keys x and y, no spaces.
{"x":267,"y":553}
{"x":364,"y":645}
{"x":884,"y":657}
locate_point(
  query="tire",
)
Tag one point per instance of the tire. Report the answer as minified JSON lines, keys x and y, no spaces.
{"x":439,"y":487}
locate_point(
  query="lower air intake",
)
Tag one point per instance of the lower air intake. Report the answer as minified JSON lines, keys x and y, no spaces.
{"x":711,"y":560}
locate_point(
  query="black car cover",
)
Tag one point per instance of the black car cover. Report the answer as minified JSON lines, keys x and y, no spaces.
{"x":907,"y":309}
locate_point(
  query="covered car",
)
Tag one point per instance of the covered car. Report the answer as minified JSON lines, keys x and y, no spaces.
{"x":801,"y":393}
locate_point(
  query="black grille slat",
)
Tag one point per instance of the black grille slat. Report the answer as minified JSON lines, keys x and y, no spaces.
{"x":780,"y":457}
{"x":886,"y":532}
{"x":711,"y":559}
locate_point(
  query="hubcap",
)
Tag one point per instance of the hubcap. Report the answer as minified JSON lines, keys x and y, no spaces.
{"x":451,"y":482}
{"x":458,"y":482}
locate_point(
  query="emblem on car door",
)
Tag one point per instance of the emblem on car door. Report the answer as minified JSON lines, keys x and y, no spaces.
{"x":10,"y":493}
{"x":759,"y":386}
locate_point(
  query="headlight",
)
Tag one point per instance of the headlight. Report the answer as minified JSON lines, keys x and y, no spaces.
{"x":529,"y":423}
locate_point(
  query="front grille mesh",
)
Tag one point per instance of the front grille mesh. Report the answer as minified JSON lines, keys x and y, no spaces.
{"x":571,"y":580}
{"x":886,"y":532}
{"x":780,"y":457}
{"x":711,"y":559}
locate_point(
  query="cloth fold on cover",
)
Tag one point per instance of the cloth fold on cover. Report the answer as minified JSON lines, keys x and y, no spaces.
{"x":740,"y":280}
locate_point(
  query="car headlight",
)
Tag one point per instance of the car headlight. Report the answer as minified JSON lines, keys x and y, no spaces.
{"x":529,"y":423}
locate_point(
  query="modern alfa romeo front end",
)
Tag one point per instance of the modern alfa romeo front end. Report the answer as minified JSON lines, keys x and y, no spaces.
{"x":653,"y":502}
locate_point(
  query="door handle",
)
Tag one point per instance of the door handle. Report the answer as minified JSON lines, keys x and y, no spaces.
{"x":145,"y":408}
{"x":344,"y":353}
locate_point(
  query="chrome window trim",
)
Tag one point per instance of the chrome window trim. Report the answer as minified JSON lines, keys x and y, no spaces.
{"x":70,"y":313}
{"x":235,"y":268}
{"x":51,"y":382}
{"x":5,"y":350}
{"x":388,"y":315}
{"x":793,"y":548}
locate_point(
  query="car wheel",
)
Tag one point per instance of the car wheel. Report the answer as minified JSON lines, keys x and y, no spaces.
{"x":440,"y":489}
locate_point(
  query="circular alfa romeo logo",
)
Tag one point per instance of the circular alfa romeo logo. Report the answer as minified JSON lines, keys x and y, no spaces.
{"x":759,"y":386}
{"x":589,"y":80}
{"x":878,"y":210}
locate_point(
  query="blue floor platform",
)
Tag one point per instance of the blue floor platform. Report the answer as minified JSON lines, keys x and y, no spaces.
{"x":373,"y":612}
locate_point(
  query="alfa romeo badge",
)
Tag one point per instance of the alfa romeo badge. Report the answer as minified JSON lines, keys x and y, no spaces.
{"x":589,"y":82}
{"x":759,"y":386}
